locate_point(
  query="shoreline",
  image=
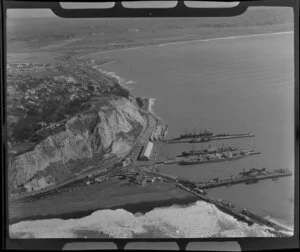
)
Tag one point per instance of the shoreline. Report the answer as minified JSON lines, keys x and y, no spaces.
{"x":124,"y":84}
{"x":152,"y":103}
{"x":190,"y":41}
{"x":140,"y":207}
{"x":123,"y":206}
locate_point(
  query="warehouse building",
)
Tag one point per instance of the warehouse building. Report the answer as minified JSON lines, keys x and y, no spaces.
{"x":146,"y":152}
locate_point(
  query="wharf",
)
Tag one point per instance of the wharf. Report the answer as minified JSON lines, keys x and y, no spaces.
{"x":207,"y":139}
{"x":191,"y":160}
{"x":240,"y":214}
{"x":250,"y":177}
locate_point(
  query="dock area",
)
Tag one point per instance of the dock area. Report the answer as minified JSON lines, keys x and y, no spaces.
{"x":139,"y":167}
{"x":197,"y":139}
{"x":248,"y":177}
{"x":211,"y":158}
{"x":239,"y":213}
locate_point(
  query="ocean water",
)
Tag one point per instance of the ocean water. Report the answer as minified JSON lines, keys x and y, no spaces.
{"x":228,"y":85}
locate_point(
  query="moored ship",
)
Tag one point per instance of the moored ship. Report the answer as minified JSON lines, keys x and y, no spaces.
{"x":205,"y":133}
{"x":218,"y":157}
{"x":209,"y":150}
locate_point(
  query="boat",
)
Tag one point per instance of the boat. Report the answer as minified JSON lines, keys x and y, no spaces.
{"x":226,"y":203}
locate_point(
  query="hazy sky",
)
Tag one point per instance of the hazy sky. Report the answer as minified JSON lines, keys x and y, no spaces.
{"x":19,"y":13}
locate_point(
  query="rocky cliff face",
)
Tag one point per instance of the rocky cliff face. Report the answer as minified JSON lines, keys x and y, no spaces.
{"x":110,"y":128}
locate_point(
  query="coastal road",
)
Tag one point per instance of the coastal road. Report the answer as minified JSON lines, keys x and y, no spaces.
{"x":151,"y":124}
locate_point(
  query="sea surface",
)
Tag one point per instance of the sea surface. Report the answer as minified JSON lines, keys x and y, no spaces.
{"x":225,"y":85}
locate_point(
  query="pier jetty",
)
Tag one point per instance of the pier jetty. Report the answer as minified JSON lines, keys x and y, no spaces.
{"x":251,"y":176}
{"x":205,"y":158}
{"x":208,"y":138}
{"x":239,"y":213}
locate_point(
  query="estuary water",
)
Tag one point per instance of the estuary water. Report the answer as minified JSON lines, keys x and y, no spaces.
{"x":226,"y":85}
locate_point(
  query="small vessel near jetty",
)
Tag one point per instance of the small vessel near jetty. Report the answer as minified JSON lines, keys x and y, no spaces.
{"x":216,"y":157}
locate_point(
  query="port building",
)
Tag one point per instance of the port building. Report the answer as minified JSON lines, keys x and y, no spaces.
{"x":146,"y":152}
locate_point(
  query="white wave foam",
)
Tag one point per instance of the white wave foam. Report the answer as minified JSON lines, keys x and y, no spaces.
{"x":116,"y":77}
{"x":198,"y":220}
{"x":192,"y":41}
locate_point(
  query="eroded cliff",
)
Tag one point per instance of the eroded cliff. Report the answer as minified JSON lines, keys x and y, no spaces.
{"x":109,"y":128}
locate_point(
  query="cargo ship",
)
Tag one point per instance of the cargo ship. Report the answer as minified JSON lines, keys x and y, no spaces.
{"x":219,"y":137}
{"x":206,"y":136}
{"x":205,"y":133}
{"x":218,"y":157}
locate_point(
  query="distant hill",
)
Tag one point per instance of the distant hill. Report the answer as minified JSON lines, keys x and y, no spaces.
{"x":115,"y":33}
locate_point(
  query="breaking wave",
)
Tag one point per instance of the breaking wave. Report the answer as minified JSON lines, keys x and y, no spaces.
{"x":117,"y":78}
{"x":198,"y":220}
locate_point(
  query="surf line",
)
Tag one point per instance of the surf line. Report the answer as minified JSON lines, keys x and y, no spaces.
{"x":189,"y":41}
{"x":231,"y":37}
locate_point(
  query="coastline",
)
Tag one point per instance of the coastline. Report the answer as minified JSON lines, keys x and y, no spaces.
{"x":151,"y":110}
{"x":125,"y":84}
{"x":114,"y":77}
{"x":206,"y":38}
{"x":116,"y":206}
{"x":159,"y":200}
